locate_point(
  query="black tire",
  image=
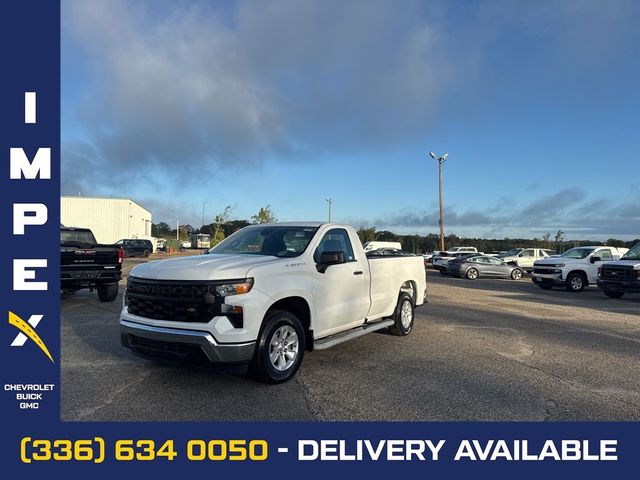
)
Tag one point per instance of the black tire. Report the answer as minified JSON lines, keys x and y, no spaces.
{"x":262,"y":368}
{"x":544,"y":286}
{"x":575,"y":282}
{"x":472,"y":274}
{"x":613,"y":293}
{"x":442,"y":271}
{"x":107,"y":292}
{"x":402,"y":328}
{"x":516,"y":274}
{"x":145,"y":254}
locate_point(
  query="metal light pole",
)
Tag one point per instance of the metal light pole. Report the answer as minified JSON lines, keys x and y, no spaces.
{"x":440,"y":160}
{"x":329,"y":202}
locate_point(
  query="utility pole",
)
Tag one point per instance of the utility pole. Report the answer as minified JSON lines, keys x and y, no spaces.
{"x":329,"y":202}
{"x":203,"y":213}
{"x":440,"y":160}
{"x":177,"y":228}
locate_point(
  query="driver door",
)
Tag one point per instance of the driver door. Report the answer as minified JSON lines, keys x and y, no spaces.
{"x":341,"y":293}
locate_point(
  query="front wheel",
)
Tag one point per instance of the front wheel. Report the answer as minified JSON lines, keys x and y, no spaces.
{"x":279,"y":349}
{"x":516,"y":274}
{"x":146,"y":254}
{"x":107,"y":293}
{"x":403,"y":316}
{"x":613,"y":294}
{"x":575,"y":282}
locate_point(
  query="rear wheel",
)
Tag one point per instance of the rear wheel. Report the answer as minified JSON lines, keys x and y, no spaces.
{"x":575,"y":282}
{"x":403,"y":316}
{"x":613,"y":293}
{"x":516,"y":274}
{"x":108,"y":292}
{"x":442,"y":271}
{"x":145,"y":254}
{"x":472,"y":273}
{"x":279,"y":349}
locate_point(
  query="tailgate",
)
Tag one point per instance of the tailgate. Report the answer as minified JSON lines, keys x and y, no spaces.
{"x":90,"y":257}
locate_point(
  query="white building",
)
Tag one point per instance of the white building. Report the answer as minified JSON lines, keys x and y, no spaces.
{"x":110,"y":219}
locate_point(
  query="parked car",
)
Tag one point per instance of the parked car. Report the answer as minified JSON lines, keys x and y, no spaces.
{"x":476,"y":266}
{"x":462,"y":249}
{"x":368,"y":246}
{"x":161,"y":244}
{"x":84,"y":263}
{"x":525,"y":257}
{"x":136,"y":247}
{"x":617,"y":278}
{"x":266,"y":294}
{"x":441,"y":261}
{"x":574,"y":269}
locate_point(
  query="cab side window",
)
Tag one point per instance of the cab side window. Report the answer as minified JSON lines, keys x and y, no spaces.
{"x":335,"y":240}
{"x":604,"y":254}
{"x":527,"y":253}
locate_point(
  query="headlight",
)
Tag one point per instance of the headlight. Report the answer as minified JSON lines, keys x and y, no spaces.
{"x":559,"y":265}
{"x":237,"y":288}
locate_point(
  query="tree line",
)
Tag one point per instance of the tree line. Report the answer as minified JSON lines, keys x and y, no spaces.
{"x":222,"y":226}
{"x":430,"y":242}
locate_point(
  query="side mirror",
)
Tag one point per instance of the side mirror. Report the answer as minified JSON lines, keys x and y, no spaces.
{"x":329,"y":258}
{"x":595,"y":259}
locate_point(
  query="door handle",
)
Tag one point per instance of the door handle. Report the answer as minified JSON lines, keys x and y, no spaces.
{"x":358,"y":272}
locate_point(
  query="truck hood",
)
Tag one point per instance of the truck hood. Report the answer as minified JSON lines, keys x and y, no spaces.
{"x":201,"y":267}
{"x":635,"y":264}
{"x":556,"y":260}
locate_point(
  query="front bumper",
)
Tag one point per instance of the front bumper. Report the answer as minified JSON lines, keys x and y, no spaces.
{"x":182,"y":345}
{"x":547,"y":278}
{"x":624,"y":286}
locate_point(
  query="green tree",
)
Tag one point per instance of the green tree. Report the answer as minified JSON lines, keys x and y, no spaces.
{"x":161,"y":229}
{"x":218,"y":221}
{"x":264,"y":215}
{"x":367,"y":234}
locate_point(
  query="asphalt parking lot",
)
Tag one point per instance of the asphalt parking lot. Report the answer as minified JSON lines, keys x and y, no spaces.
{"x":480,"y":350}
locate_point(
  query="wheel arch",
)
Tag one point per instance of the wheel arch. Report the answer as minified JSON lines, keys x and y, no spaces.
{"x":299,"y":306}
{"x":411,"y":288}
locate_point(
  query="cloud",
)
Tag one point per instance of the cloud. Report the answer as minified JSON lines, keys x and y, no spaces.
{"x":568,"y":209}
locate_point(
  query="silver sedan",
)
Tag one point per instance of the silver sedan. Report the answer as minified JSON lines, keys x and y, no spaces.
{"x":483,"y":266}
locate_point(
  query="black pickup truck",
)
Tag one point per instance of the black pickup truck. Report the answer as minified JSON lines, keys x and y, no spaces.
{"x":86,"y":264}
{"x":617,"y":278}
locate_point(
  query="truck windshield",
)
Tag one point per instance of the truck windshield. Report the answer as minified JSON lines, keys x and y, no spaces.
{"x":276,"y":241}
{"x":633,"y":254}
{"x":578,"y":253}
{"x":68,"y":237}
{"x":511,"y":253}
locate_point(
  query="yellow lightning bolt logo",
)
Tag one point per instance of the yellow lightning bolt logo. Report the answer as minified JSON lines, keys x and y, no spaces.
{"x":25,"y":328}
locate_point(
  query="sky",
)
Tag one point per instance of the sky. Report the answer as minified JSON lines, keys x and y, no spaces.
{"x":180,"y":104}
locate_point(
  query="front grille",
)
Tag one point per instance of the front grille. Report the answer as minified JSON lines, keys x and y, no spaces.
{"x":543,"y":268}
{"x":617,"y":274}
{"x":180,"y":301}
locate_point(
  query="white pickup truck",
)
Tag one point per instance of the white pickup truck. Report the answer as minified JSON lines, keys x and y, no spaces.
{"x":574,"y":269}
{"x":525,"y":257}
{"x":266,"y":294}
